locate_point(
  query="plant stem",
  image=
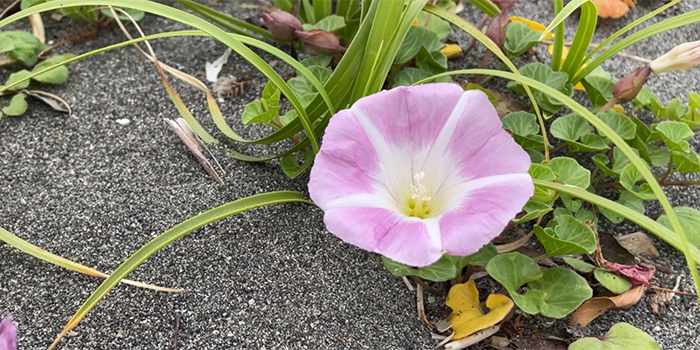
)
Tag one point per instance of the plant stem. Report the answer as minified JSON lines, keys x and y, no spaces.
{"x":425,"y":286}
{"x":610,"y":103}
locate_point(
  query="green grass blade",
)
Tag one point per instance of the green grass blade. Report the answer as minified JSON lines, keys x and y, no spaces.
{"x":584,"y":34}
{"x":486,"y":6}
{"x":346,"y":8}
{"x":231,"y":23}
{"x":629,"y":27}
{"x":173,"y":234}
{"x":642,"y":220}
{"x":562,"y":15}
{"x":640,"y":164}
{"x":194,"y":21}
{"x":306,"y":12}
{"x":285,"y":5}
{"x":26,"y":247}
{"x":322,"y":9}
{"x":558,"y":38}
{"x":663,"y":26}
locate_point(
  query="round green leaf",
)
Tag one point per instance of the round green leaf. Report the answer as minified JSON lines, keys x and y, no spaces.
{"x":622,"y":336}
{"x":521,"y":123}
{"x":620,"y":123}
{"x":520,"y":38}
{"x":675,"y":135}
{"x":570,"y":236}
{"x":16,"y":76}
{"x":57,"y":75}
{"x":690,"y":221}
{"x":563,"y":291}
{"x":570,"y":172}
{"x":570,"y":127}
{"x":445,"y":269}
{"x":513,"y":270}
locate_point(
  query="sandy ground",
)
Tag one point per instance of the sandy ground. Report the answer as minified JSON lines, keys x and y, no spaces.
{"x":92,"y":190}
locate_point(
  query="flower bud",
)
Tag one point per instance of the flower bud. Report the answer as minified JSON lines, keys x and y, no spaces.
{"x":681,"y":57}
{"x":628,"y":87}
{"x":321,"y":42}
{"x":283,"y":25}
{"x":496,"y":30}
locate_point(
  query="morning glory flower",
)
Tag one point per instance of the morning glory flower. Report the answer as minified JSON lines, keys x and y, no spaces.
{"x":415,"y":172}
{"x":8,"y":334}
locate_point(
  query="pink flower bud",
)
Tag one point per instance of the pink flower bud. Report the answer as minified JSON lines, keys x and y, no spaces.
{"x":321,"y":42}
{"x":496,"y":30}
{"x":628,"y":87}
{"x":283,"y":25}
{"x":681,"y":57}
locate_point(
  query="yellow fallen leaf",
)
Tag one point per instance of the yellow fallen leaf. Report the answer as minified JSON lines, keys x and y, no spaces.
{"x":466,"y":317}
{"x":415,"y":22}
{"x":451,"y":50}
{"x":613,"y":8}
{"x":536,"y":26}
{"x":564,"y":53}
{"x":619,"y":108}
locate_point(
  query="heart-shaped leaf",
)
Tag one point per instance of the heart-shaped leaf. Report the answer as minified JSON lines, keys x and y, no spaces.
{"x":622,"y":336}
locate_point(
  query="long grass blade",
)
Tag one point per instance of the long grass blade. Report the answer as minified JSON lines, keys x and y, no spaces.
{"x":615,"y":138}
{"x":558,"y":48}
{"x":663,"y":26}
{"x":563,"y":15}
{"x":584,"y":34}
{"x":194,"y":21}
{"x":486,"y":6}
{"x":172,"y":235}
{"x":229,"y":22}
{"x":26,"y":247}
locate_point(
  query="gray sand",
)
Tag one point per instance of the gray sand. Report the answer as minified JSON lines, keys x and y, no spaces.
{"x":94,"y":191}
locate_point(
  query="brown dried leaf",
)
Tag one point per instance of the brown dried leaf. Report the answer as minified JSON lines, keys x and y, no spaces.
{"x":613,"y":251}
{"x":638,"y":243}
{"x":622,"y":261}
{"x":54,"y":101}
{"x":594,"y":307}
{"x":506,"y":104}
{"x":183,"y":130}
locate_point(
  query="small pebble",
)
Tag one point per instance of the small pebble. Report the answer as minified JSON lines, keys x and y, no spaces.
{"x":431,"y":300}
{"x":251,"y":302}
{"x":124,"y":121}
{"x":656,"y":329}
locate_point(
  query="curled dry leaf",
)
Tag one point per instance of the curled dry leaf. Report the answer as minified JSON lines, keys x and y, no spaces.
{"x":183,"y":130}
{"x":58,"y":104}
{"x":638,"y":243}
{"x":594,"y":307}
{"x":472,"y":339}
{"x":467,"y":317}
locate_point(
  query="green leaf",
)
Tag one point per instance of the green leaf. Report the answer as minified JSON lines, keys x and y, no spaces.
{"x":288,"y":117}
{"x":255,"y":112}
{"x":675,"y":135}
{"x":686,"y":162}
{"x":572,"y":204}
{"x":409,"y":76}
{"x":513,"y":270}
{"x":589,"y":143}
{"x":620,"y":123}
{"x":542,"y":172}
{"x":26,"y":47}
{"x":431,"y":61}
{"x":649,"y":101}
{"x":521,"y":123}
{"x":675,"y":110}
{"x":579,"y":265}
{"x":330,"y":24}
{"x":533,"y":210}
{"x":628,"y":179}
{"x":292,"y":168}
{"x":601,"y":161}
{"x":446,"y":268}
{"x":318,"y":60}
{"x":435,"y":24}
{"x":536,"y":157}
{"x":690,"y":221}
{"x":29,"y":3}
{"x":520,"y":38}
{"x":417,"y":37}
{"x":545,"y":74}
{"x":599,"y":90}
{"x":570,"y":236}
{"x":555,"y":302}
{"x":58,"y":75}
{"x":622,"y":336}
{"x":628,"y":200}
{"x":17,"y":106}
{"x":17,"y":76}
{"x":611,"y":281}
{"x":570,"y":127}
{"x":570,"y":172}
{"x":271,"y":94}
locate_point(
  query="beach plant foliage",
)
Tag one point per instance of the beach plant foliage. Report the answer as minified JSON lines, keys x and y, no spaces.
{"x":426,"y":174}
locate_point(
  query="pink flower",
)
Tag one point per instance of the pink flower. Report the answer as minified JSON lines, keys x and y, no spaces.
{"x":415,"y":172}
{"x":8,"y":334}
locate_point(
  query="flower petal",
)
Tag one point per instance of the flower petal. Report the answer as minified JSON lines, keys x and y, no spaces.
{"x":345,"y":164}
{"x":403,"y":239}
{"x":8,"y":334}
{"x":485,"y":210}
{"x":407,"y":117}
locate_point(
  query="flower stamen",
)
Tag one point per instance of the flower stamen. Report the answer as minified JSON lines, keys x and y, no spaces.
{"x":418,"y":207}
